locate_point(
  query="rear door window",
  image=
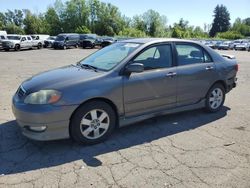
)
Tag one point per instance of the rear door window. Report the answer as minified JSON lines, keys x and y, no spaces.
{"x":191,"y":54}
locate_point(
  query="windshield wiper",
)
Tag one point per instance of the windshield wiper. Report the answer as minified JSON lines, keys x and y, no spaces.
{"x":88,"y":67}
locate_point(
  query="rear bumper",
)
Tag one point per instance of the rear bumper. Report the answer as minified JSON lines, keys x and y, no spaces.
{"x":231,"y":83}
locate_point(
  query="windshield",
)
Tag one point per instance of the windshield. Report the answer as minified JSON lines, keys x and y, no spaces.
{"x":51,"y":38}
{"x":60,"y":38}
{"x":108,"y":57}
{"x":14,"y":37}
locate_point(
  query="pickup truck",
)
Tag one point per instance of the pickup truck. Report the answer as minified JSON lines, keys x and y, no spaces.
{"x":18,"y":42}
{"x":2,"y":37}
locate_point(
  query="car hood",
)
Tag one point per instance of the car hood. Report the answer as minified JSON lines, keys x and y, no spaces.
{"x":13,"y":41}
{"x":59,"y":78}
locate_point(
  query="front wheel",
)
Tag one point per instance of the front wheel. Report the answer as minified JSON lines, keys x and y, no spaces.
{"x":17,"y":47}
{"x":93,"y":122}
{"x":215,"y":98}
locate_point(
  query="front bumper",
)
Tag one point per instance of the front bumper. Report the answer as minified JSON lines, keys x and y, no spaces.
{"x":56,"y":119}
{"x":240,"y":48}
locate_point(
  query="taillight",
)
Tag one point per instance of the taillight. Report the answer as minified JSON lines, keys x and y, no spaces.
{"x":237,"y":67}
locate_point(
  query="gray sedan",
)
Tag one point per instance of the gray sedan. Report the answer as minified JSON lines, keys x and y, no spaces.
{"x":126,"y":82}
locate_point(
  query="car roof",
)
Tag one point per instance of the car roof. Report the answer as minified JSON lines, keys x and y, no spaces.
{"x":155,"y":40}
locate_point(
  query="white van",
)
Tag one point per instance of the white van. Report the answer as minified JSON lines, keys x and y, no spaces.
{"x":3,"y":33}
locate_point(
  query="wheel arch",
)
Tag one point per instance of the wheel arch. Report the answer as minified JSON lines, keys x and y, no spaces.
{"x":108,"y":101}
{"x":221,"y":82}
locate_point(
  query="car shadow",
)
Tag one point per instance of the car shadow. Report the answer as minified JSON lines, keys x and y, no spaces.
{"x":19,"y":154}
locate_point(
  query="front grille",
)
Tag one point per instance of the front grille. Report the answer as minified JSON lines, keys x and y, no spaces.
{"x":6,"y":44}
{"x":21,"y":92}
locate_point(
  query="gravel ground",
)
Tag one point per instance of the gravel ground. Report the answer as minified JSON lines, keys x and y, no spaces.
{"x":191,"y":149}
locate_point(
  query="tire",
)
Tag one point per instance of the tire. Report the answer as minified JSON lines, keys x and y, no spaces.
{"x":215,"y":98}
{"x":17,"y":47}
{"x":39,"y":46}
{"x":6,"y":50}
{"x":86,"y":129}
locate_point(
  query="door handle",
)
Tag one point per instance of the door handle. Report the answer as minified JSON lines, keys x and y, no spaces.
{"x":171,"y":74}
{"x":209,"y":68}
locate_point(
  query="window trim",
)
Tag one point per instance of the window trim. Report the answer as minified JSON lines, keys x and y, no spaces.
{"x":195,"y":45}
{"x":151,"y":46}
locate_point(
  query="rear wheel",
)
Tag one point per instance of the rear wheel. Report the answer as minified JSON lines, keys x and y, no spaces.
{"x":39,"y":46}
{"x":215,"y":98}
{"x":92,"y":123}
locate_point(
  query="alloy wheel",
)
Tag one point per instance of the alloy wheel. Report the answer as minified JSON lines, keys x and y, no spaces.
{"x":94,"y":124}
{"x":216,"y":98}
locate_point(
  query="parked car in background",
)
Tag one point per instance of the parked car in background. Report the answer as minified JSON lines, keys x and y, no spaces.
{"x":242,"y":46}
{"x":66,"y":40}
{"x":126,"y":82}
{"x":49,"y":41}
{"x":98,"y":41}
{"x":2,"y":37}
{"x":107,"y":41}
{"x":39,"y":39}
{"x":210,"y":44}
{"x":226,"y":45}
{"x":236,"y":42}
{"x":88,"y":40}
{"x":18,"y":42}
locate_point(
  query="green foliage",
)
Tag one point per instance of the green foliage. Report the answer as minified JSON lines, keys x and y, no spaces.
{"x":221,"y":21}
{"x":95,"y":16}
{"x":53,"y":22}
{"x":231,"y":35}
{"x":34,"y":24}
{"x":82,"y":30}
{"x":132,"y":32}
{"x":183,"y":30}
{"x":241,"y":27}
{"x":13,"y":29}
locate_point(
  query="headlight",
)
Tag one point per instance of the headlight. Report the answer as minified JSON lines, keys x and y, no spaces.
{"x":43,"y":97}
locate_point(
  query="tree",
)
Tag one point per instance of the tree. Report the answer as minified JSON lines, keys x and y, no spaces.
{"x":221,"y":21}
{"x":34,"y":24}
{"x":75,"y":13}
{"x":132,"y":32}
{"x":231,"y":35}
{"x":2,"y":20}
{"x":155,"y":24}
{"x":82,"y":30}
{"x":14,"y":29}
{"x":53,"y":21}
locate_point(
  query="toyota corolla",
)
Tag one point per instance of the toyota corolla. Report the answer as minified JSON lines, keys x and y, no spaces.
{"x":126,"y":82}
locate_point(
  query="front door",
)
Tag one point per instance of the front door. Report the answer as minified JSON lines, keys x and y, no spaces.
{"x":155,"y":88}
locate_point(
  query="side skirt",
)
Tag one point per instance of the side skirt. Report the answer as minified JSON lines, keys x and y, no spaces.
{"x":123,"y":121}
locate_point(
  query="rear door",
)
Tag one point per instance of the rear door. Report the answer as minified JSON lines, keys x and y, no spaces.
{"x":196,"y":72}
{"x":155,"y":88}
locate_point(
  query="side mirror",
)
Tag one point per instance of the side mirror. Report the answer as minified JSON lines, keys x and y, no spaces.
{"x":22,"y":39}
{"x":134,"y":67}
